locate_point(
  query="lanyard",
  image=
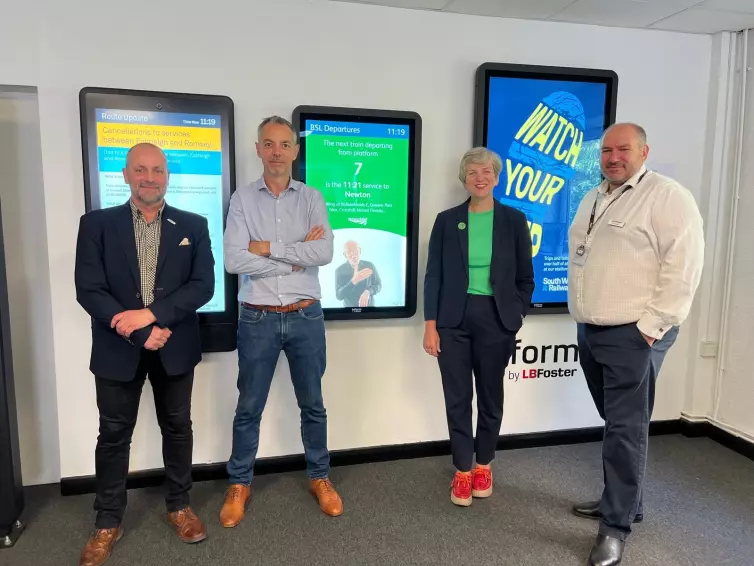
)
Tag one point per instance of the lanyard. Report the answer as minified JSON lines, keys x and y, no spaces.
{"x":592,"y":221}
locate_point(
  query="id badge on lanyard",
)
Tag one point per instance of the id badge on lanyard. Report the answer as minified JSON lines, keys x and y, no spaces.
{"x":580,"y":255}
{"x":582,"y":251}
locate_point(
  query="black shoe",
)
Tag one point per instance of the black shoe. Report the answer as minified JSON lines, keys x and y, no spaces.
{"x":607,"y":551}
{"x":591,"y":510}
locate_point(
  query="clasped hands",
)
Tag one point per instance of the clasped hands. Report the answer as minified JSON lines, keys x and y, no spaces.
{"x":263,"y":248}
{"x":127,"y":322}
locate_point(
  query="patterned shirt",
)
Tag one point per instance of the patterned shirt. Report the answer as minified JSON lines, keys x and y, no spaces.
{"x":147,"y":236}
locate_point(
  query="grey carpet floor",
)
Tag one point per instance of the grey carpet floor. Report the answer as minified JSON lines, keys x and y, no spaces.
{"x":699,"y":508}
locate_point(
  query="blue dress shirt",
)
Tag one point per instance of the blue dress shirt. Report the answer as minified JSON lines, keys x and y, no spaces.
{"x":255,"y":214}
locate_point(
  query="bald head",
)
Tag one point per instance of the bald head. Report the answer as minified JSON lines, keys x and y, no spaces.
{"x":624,"y":151}
{"x":146,"y":172}
{"x":628,"y":128}
{"x":352,"y":252}
{"x":149,"y":148}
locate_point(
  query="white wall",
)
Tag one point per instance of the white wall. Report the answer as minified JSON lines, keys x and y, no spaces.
{"x":28,"y":274}
{"x":380,"y":388}
{"x":717,"y":180}
{"x":19,"y":62}
{"x":736,"y":405}
{"x":719,"y":388}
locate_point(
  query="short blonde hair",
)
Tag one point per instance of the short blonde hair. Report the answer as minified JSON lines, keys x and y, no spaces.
{"x":480,"y":155}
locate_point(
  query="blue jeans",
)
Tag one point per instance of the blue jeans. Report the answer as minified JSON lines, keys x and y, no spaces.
{"x":261,"y":337}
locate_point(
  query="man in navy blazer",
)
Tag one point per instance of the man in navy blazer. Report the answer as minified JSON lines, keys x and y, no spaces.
{"x":143,"y":269}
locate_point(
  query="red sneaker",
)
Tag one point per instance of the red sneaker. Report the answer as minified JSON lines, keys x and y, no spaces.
{"x":481,"y":482}
{"x":460,"y":493}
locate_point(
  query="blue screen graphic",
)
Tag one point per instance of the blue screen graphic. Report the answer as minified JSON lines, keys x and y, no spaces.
{"x":547,"y":133}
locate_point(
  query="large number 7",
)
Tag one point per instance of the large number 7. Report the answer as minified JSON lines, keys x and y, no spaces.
{"x":358,"y":167}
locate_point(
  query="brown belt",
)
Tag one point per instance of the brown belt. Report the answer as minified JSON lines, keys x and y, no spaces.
{"x":284,"y":308}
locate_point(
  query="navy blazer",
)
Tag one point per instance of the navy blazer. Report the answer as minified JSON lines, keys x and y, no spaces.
{"x":511,"y":270}
{"x":108,"y":282}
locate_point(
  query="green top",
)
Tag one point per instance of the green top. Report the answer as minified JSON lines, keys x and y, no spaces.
{"x":480,"y":252}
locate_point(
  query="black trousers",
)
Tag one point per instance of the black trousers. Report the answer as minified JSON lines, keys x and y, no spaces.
{"x":621,"y":371}
{"x":481,"y":346}
{"x":118,"y":404}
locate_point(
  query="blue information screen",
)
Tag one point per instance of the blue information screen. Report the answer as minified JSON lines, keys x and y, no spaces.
{"x":193,"y":146}
{"x":547,"y":133}
{"x":196,"y":132}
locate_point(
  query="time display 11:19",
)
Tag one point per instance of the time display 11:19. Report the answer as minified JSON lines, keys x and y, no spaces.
{"x":396,"y":131}
{"x":207,"y":121}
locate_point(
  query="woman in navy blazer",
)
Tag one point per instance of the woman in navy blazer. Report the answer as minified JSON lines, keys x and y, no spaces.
{"x":477,"y":290}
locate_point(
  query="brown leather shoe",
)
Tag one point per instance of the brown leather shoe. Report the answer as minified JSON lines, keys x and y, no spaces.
{"x":187,"y":525}
{"x":329,"y":500}
{"x":99,"y":547}
{"x":234,"y":506}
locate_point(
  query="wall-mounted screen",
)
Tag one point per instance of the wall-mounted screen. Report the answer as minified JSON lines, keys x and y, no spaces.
{"x":546,"y":124}
{"x":366,"y":163}
{"x":196,"y":134}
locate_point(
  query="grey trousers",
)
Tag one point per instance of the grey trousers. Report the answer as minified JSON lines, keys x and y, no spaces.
{"x":621,"y":371}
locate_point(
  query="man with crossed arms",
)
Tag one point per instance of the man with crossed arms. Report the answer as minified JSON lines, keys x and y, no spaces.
{"x":277,"y":235}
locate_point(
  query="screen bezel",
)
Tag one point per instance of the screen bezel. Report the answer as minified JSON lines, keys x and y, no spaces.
{"x":362,"y":115}
{"x":218,"y":329}
{"x":487,"y":71}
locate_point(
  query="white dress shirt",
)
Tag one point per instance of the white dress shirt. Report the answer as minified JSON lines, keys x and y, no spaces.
{"x":643,"y":258}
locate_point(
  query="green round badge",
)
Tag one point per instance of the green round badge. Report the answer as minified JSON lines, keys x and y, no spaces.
{"x":462,"y":226}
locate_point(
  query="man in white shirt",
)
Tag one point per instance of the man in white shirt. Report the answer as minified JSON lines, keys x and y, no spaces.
{"x":636,"y":251}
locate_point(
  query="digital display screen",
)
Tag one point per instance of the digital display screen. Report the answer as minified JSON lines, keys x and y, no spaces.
{"x":193,"y":146}
{"x":366,"y":167}
{"x":195,"y":134}
{"x":546,"y":125}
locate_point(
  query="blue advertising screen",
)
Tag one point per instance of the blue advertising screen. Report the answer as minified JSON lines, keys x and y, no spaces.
{"x":546,"y":126}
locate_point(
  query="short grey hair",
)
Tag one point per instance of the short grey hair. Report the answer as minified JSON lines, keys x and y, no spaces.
{"x":641,"y":133}
{"x":276,"y":120}
{"x":480,"y":155}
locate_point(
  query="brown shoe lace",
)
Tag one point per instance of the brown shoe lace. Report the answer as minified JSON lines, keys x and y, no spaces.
{"x":102,"y":537}
{"x":235,"y":492}
{"x":186,"y":512}
{"x":325,"y":484}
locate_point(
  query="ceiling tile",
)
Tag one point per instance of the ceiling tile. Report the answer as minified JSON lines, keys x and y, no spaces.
{"x":420,"y":4}
{"x":534,"y":9}
{"x":623,"y":13}
{"x":706,"y":21}
{"x":743,"y":6}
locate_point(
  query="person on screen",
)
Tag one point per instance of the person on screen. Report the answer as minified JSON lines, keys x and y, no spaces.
{"x":356,"y":281}
{"x":277,"y":235}
{"x":636,"y":250}
{"x":142,"y":271}
{"x":477,"y":289}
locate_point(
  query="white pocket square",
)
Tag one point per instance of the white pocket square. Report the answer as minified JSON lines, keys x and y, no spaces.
{"x":185,"y":242}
